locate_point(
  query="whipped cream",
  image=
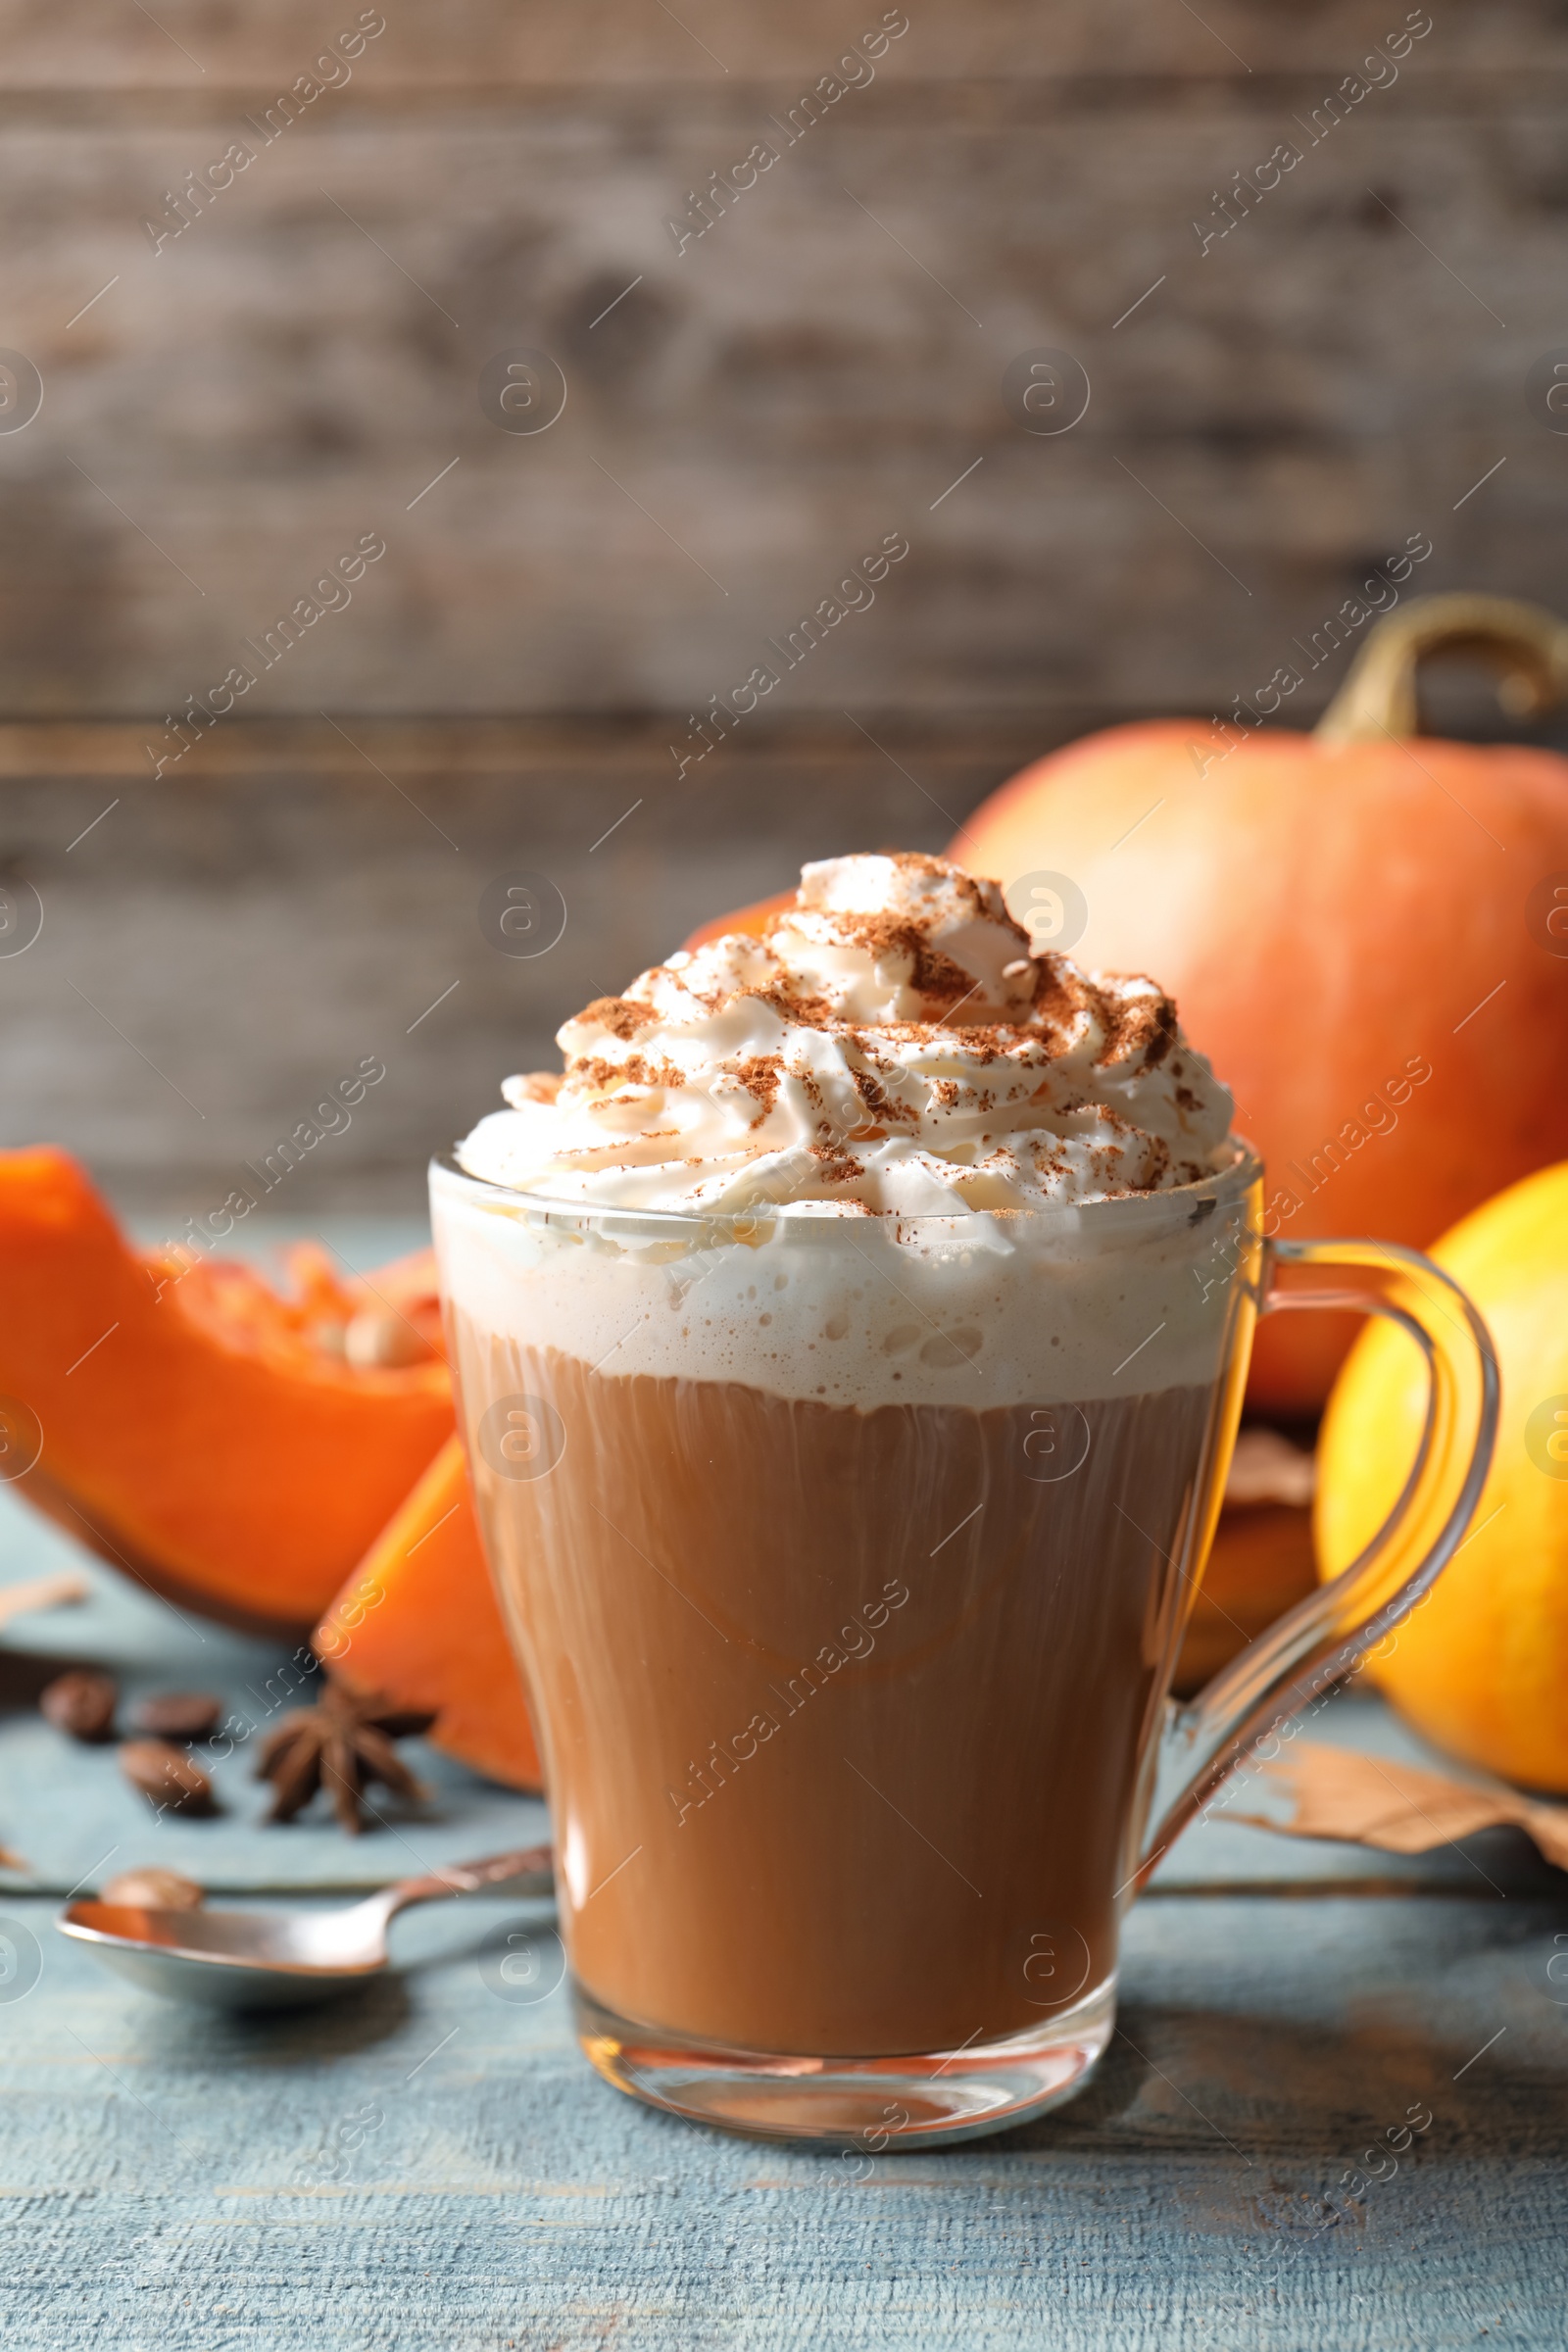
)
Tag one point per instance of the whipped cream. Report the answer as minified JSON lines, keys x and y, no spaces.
{"x":890,"y":1046}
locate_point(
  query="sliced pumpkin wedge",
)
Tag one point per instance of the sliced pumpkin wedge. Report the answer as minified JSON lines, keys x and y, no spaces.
{"x":234,"y":1450}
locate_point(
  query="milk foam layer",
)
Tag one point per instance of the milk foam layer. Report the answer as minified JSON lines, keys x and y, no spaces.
{"x":1116,"y":1299}
{"x":891,"y":1044}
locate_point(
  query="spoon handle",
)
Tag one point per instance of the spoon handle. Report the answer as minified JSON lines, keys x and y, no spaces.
{"x":532,"y":1864}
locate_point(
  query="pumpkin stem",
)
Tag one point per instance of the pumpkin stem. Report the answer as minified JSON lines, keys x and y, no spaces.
{"x":1527,"y":644}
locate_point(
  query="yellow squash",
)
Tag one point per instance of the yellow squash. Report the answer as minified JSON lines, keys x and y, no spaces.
{"x":1481,"y":1667}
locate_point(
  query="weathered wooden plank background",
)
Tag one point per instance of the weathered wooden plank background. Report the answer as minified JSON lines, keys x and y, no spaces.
{"x":225,"y":416}
{"x":437,"y":2167}
{"x":228,"y":941}
{"x":291,"y":370}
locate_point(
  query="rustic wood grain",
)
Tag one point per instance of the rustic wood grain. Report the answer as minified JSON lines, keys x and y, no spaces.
{"x":609,"y":43}
{"x":292,"y":899}
{"x":758,"y":410}
{"x":435,"y":2167}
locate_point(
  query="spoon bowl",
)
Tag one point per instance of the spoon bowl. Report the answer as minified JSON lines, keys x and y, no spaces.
{"x":277,"y":1959}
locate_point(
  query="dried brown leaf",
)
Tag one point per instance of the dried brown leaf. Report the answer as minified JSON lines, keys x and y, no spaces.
{"x":1266,"y":1468}
{"x":1341,"y":1794}
{"x":57,"y":1592}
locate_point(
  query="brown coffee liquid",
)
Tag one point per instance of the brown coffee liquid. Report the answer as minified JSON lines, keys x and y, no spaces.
{"x":842,"y":1713}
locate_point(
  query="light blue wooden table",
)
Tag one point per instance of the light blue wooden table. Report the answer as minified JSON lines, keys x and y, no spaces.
{"x":435,"y":2165}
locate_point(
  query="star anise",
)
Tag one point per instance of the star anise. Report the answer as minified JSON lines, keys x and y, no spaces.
{"x":340,"y":1744}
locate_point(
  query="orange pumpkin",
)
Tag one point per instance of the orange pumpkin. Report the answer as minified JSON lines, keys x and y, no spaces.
{"x":419,"y":1624}
{"x":233,"y":1450}
{"x":1365,"y":930}
{"x":757,"y":917}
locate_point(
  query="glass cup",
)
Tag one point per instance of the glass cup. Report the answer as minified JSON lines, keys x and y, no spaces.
{"x":847,"y":1562}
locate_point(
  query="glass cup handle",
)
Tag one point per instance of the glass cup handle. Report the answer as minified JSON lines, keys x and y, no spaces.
{"x":1314,"y":1643}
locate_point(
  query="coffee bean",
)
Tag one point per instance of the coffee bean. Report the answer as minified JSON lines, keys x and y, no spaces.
{"x":167,"y":1776}
{"x":178,"y":1714}
{"x":81,"y":1702}
{"x":153,"y":1890}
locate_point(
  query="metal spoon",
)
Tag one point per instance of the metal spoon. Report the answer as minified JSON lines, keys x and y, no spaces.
{"x":277,"y":1959}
